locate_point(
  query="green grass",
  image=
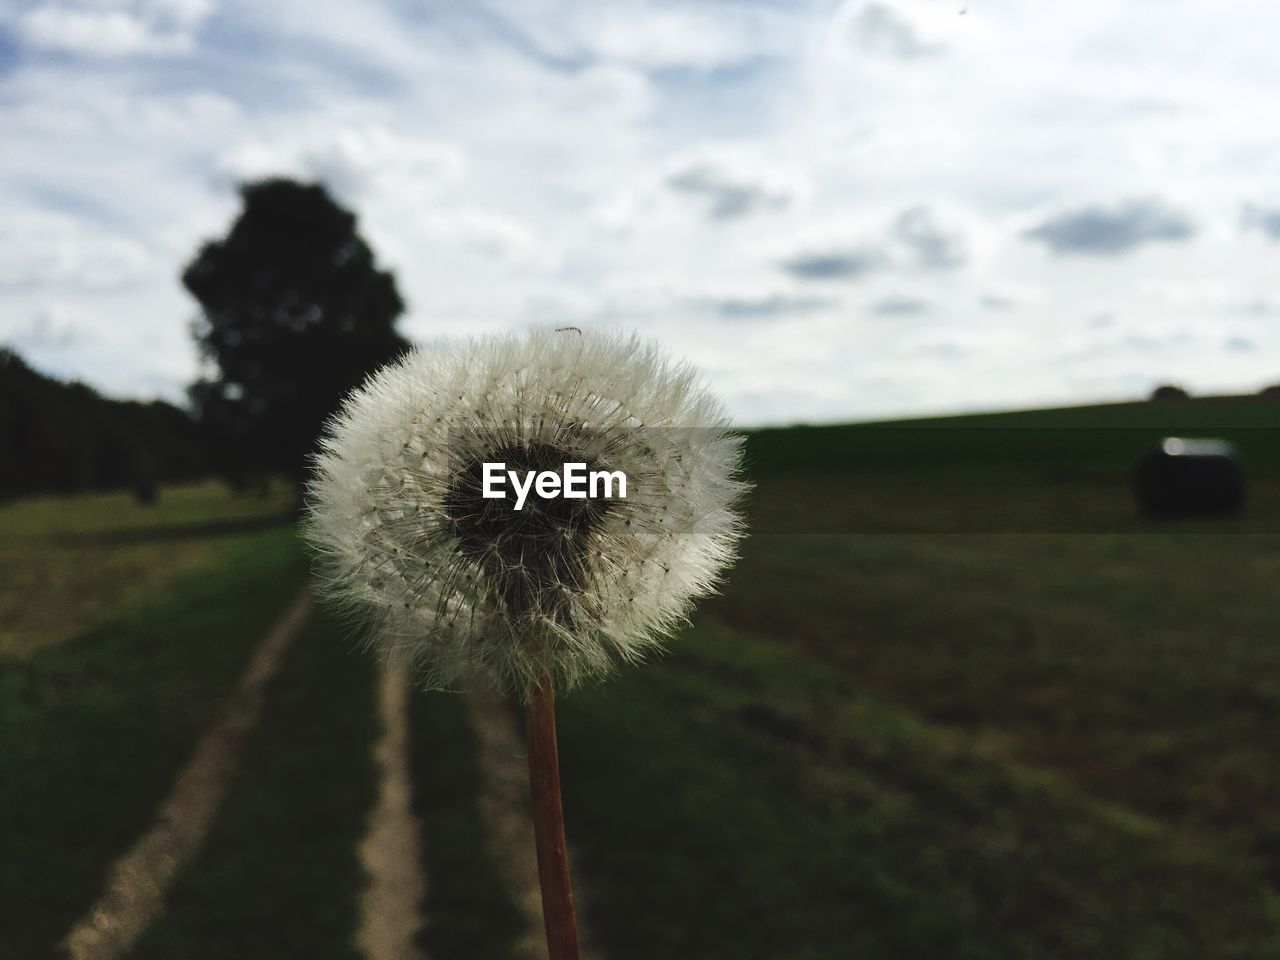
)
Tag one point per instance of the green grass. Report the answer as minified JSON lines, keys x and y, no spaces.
{"x":739,"y":800}
{"x":207,"y":506}
{"x":469,"y":911}
{"x":1038,"y":471}
{"x":1069,"y":443}
{"x":957,"y":699}
{"x":92,"y":732}
{"x":279,"y":876}
{"x":69,"y":562}
{"x":1143,"y":667}
{"x":835,"y":503}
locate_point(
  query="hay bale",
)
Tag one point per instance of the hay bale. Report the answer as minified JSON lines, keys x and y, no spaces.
{"x":1184,"y":477}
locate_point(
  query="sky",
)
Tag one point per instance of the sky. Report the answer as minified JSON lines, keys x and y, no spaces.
{"x":838,"y":211}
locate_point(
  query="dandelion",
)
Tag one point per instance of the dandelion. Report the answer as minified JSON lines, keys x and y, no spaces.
{"x":413,"y":532}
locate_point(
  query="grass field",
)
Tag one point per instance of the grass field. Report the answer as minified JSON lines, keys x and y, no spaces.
{"x":957,"y":699}
{"x":93,"y":731}
{"x":281,"y":864}
{"x":68,"y":562}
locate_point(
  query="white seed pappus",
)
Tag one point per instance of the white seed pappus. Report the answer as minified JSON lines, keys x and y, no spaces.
{"x":454,"y":583}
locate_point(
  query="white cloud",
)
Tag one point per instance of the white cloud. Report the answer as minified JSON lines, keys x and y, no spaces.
{"x":901,"y":306}
{"x":762,"y":186}
{"x":99,"y":29}
{"x":928,"y":243}
{"x":1265,"y":220}
{"x":648,"y":35}
{"x":492,"y":236}
{"x":355,"y":163}
{"x":51,"y":330}
{"x":48,"y":251}
{"x":880,"y":29}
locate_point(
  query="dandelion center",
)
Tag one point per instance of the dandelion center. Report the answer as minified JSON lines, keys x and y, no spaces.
{"x":534,"y":558}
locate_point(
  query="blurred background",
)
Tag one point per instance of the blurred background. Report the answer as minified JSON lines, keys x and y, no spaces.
{"x":991,"y":289}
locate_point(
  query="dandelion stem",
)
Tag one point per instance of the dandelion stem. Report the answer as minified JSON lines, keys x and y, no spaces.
{"x":548,"y":824}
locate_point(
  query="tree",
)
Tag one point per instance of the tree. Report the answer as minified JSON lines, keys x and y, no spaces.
{"x":1169,"y":391}
{"x":63,"y":437}
{"x":294,"y":314}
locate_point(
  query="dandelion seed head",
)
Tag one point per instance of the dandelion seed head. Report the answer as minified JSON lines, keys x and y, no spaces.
{"x":455,"y":583}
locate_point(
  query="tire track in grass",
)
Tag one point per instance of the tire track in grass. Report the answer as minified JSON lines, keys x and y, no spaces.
{"x":469,"y":910}
{"x":391,"y":908}
{"x":279,"y":876}
{"x":138,"y":882}
{"x":94,"y":732}
{"x":505,"y":806}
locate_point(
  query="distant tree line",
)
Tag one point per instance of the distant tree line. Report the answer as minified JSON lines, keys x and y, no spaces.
{"x":1172,"y":392}
{"x":65,"y":437}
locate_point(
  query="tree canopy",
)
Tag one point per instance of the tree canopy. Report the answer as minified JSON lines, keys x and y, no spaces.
{"x":63,"y":437}
{"x":294,"y":314}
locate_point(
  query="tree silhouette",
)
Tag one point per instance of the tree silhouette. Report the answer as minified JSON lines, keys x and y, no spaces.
{"x":1169,"y":391}
{"x":294,"y":313}
{"x":63,"y":437}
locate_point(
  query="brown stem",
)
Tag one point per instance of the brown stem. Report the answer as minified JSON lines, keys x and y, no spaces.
{"x":548,"y":824}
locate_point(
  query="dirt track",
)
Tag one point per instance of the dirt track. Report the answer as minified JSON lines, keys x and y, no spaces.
{"x":138,"y":882}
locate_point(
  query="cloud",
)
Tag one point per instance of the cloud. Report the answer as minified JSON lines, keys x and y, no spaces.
{"x":1107,"y":231}
{"x":1239,"y":344}
{"x":731,"y":188}
{"x":156,"y":27}
{"x":767,"y":306}
{"x":42,"y":251}
{"x":826,"y":161}
{"x":1148,"y":342}
{"x":51,"y":330}
{"x":944,"y":349}
{"x":929,"y":246}
{"x":881,"y":30}
{"x":723,"y":182}
{"x":353,"y":162}
{"x":491,"y":236}
{"x":996,"y":302}
{"x":913,"y":240}
{"x":834,"y":263}
{"x":650,"y":36}
{"x":901,"y":307}
{"x":1266,"y":220}
{"x":1255,"y":307}
{"x":1108,"y":340}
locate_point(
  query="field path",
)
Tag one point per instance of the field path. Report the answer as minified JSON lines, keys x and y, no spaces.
{"x":505,"y":805}
{"x":138,"y":881}
{"x":391,"y":907}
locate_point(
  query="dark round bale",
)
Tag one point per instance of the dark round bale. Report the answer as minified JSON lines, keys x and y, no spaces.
{"x":1190,"y":478}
